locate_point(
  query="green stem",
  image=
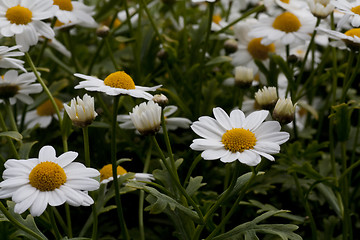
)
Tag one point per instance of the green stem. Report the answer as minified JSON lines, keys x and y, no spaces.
{"x":68,"y":220}
{"x":348,"y":83}
{"x":85,"y":131}
{"x":12,"y":145}
{"x":234,"y":206}
{"x":349,"y":69}
{"x":72,"y":50}
{"x":141,"y":197}
{"x":152,"y":22}
{"x":53,"y":224}
{"x":192,"y":167}
{"x":347,"y":229}
{"x":209,"y":214}
{"x":17,"y":224}
{"x":176,"y":180}
{"x":306,"y":206}
{"x":10,"y":114}
{"x":124,"y":230}
{"x":168,"y":145}
{"x":111,"y":55}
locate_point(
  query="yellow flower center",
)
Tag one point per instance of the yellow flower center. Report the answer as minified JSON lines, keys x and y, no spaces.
{"x":119,"y":79}
{"x":285,"y":1}
{"x":353,"y":32}
{"x":47,"y":109}
{"x":238,"y":140}
{"x":216,"y":19}
{"x":356,"y":10}
{"x":287,"y":22}
{"x":259,"y":51}
{"x":8,"y":90}
{"x":65,"y":5}
{"x":106,"y":172}
{"x":47,"y":176}
{"x":19,"y":15}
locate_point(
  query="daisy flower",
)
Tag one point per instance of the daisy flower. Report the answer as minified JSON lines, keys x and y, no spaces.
{"x":237,"y":137}
{"x":351,"y":11}
{"x":75,"y":13}
{"x":321,"y":8}
{"x":6,"y":60}
{"x":106,"y":174}
{"x":18,"y":87}
{"x":47,"y":180}
{"x":349,"y":40}
{"x":290,"y":27}
{"x":43,"y":114}
{"x":172,"y":123}
{"x":115,"y":84}
{"x":22,"y":19}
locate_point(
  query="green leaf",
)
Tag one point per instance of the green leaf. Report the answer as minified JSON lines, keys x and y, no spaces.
{"x":284,"y":67}
{"x":28,"y":222}
{"x":12,"y":134}
{"x":218,"y":60}
{"x":194,"y":185}
{"x":25,"y":149}
{"x":268,"y":207}
{"x":249,"y":229}
{"x":160,"y":202}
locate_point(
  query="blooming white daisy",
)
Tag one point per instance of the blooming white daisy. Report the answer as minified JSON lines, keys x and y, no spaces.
{"x":351,"y":12}
{"x":75,"y":13}
{"x":36,"y":182}
{"x":14,"y":86}
{"x":172,"y":123}
{"x":237,"y":137}
{"x":22,"y":19}
{"x":81,"y":111}
{"x":250,"y":48}
{"x":106,"y":174}
{"x":290,"y":27}
{"x":6,"y":60}
{"x":43,"y":114}
{"x":275,"y":7}
{"x":349,"y":40}
{"x":115,"y":84}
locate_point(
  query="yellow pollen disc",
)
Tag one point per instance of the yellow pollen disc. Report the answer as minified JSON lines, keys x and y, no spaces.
{"x":285,"y":1}
{"x":287,"y":22}
{"x":58,"y":23}
{"x":356,"y":10}
{"x":65,"y":5}
{"x":238,"y":140}
{"x":106,"y":171}
{"x":216,"y":19}
{"x":47,"y":176}
{"x":47,"y":109}
{"x":19,"y":15}
{"x":119,"y":79}
{"x":353,"y":32}
{"x":259,"y":51}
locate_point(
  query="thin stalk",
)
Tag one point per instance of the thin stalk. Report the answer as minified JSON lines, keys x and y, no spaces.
{"x":347,"y":228}
{"x":176,"y":180}
{"x":87,"y":164}
{"x":124,"y":230}
{"x":72,"y":50}
{"x":10,"y":114}
{"x":111,"y":55}
{"x":168,"y":145}
{"x":349,"y":69}
{"x":12,"y":145}
{"x":152,"y":22}
{"x":142,"y":194}
{"x":348,"y":83}
{"x":17,"y":224}
{"x":53,"y":224}
{"x":306,"y":206}
{"x":192,"y":167}
{"x":209,"y":214}
{"x":68,"y":220}
{"x":234,"y":206}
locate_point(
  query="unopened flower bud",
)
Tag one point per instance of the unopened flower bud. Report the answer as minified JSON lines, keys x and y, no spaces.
{"x":284,"y":111}
{"x":81,"y":111}
{"x":102,"y":31}
{"x":321,"y":8}
{"x":266,"y":97}
{"x":244,"y":76}
{"x":146,"y":117}
{"x":292,"y":58}
{"x":161,"y":99}
{"x":162,"y":54}
{"x":230,"y":46}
